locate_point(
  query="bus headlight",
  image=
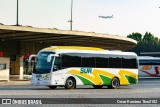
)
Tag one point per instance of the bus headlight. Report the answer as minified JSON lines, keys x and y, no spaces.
{"x":47,"y":78}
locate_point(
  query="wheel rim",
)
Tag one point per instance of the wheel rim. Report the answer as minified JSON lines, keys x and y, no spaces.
{"x":115,"y":83}
{"x":70,"y":83}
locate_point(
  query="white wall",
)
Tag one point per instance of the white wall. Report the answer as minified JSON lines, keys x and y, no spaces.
{"x":4,"y":74}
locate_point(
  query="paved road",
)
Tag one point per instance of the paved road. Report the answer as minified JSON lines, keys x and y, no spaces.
{"x":146,"y":88}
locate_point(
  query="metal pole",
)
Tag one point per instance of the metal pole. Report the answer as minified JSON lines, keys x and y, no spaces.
{"x":71,"y":14}
{"x":17,"y":13}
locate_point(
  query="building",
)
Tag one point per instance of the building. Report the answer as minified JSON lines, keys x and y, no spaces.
{"x":18,"y":42}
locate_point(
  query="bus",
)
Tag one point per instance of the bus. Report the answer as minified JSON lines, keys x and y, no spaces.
{"x":149,"y":66}
{"x":69,"y":66}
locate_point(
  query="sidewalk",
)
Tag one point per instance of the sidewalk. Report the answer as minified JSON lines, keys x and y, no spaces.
{"x":15,"y":82}
{"x":20,"y":78}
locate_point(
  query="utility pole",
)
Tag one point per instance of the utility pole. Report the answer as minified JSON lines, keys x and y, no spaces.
{"x":71,"y":21}
{"x":17,"y":14}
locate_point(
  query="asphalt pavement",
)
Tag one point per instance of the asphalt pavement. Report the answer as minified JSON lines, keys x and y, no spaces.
{"x":146,"y":88}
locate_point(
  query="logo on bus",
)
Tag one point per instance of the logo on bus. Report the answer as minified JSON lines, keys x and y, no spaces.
{"x":146,"y":69}
{"x":86,"y":70}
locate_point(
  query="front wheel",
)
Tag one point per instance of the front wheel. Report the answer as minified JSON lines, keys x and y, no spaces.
{"x":70,"y":83}
{"x":114,"y":83}
{"x":52,"y":87}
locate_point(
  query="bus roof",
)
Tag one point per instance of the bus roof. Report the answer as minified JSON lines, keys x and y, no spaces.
{"x":90,"y":50}
{"x":53,"y":48}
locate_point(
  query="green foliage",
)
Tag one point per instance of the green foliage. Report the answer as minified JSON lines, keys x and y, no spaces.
{"x":146,"y":43}
{"x":135,"y":36}
{"x":148,"y":38}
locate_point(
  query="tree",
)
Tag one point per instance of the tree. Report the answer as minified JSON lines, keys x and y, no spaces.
{"x":148,"y":38}
{"x":148,"y":43}
{"x":136,"y":36}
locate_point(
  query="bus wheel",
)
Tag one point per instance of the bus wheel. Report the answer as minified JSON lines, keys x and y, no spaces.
{"x":114,"y":83}
{"x":52,"y":87}
{"x":98,"y":86}
{"x":70,"y":83}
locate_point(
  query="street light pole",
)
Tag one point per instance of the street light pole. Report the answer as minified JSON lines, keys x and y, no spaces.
{"x":71,"y":15}
{"x":17,"y":13}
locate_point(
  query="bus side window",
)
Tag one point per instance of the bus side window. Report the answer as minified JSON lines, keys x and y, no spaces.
{"x":149,"y":62}
{"x":101,"y":62}
{"x":71,"y":61}
{"x":129,"y":63}
{"x":88,"y":62}
{"x":115,"y":63}
{"x":57,"y":64}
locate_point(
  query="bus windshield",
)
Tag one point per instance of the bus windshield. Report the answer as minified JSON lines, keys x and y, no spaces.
{"x":41,"y":64}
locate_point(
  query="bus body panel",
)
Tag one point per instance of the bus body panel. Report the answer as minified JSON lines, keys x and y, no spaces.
{"x":149,"y":71}
{"x":149,"y":66}
{"x":59,"y":77}
{"x":85,"y":75}
{"x":41,"y":79}
{"x":101,"y":76}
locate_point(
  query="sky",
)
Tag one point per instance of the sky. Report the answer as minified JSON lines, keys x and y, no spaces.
{"x":128,"y":15}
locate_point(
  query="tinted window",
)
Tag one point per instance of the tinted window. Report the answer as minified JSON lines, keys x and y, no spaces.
{"x":102,"y":62}
{"x":71,"y":61}
{"x":57,"y":64}
{"x":149,"y":62}
{"x":41,"y":64}
{"x":88,"y":62}
{"x":114,"y":62}
{"x":129,"y":63}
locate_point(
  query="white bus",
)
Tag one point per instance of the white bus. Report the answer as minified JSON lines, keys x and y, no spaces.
{"x":149,"y":66}
{"x":70,"y":66}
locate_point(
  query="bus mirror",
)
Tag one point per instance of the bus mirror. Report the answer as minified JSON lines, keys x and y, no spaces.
{"x":50,"y":57}
{"x":30,"y":57}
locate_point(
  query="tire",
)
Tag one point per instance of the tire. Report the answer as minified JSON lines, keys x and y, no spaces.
{"x":52,"y":87}
{"x":114,"y":84}
{"x":70,"y":83}
{"x":97,"y":86}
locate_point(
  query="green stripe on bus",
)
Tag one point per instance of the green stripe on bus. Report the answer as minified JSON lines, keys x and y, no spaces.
{"x":131,"y":79}
{"x":106,"y":80}
{"x":85,"y":81}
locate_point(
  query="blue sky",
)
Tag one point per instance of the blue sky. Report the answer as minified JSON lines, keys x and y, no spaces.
{"x":129,"y":15}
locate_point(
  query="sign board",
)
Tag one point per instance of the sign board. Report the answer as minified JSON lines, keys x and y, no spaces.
{"x":2,"y":66}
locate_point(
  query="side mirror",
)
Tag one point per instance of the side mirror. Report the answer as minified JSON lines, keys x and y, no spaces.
{"x":49,"y":58}
{"x":30,"y":57}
